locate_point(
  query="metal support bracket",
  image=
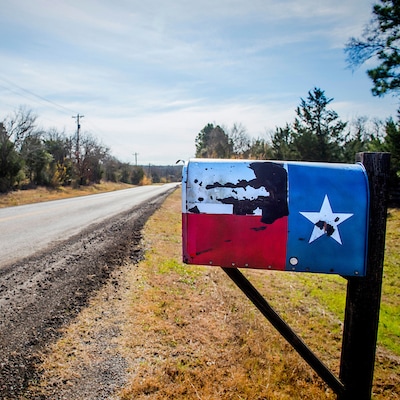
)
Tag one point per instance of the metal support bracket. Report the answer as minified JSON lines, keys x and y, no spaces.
{"x":285,"y":330}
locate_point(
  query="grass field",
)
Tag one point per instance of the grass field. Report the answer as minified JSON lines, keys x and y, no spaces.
{"x":186,"y":332}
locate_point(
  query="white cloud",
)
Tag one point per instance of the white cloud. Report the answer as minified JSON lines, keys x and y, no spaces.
{"x":148,"y":75}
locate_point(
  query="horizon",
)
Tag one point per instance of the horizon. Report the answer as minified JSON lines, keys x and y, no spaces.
{"x":149,"y":77}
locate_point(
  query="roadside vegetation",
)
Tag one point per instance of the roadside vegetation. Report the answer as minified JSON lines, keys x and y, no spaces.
{"x":40,"y":194}
{"x":161,"y":329}
{"x":165,"y":330}
{"x":317,"y":134}
{"x":33,"y":157}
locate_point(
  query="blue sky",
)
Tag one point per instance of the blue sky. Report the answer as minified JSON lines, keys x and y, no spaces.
{"x":149,"y":75}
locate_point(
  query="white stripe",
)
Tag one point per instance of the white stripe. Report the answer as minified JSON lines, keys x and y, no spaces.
{"x":213,"y":208}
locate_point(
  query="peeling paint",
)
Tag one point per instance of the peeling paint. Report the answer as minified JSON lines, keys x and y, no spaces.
{"x":203,"y":251}
{"x":327,"y":228}
{"x":237,"y":213}
{"x":259,"y":228}
{"x":265,"y":194}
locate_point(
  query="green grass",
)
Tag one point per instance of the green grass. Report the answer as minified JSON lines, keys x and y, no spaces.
{"x":335,"y":297}
{"x":187,"y":274}
{"x":330,"y":290}
{"x":389,"y":326}
{"x":188,"y":332}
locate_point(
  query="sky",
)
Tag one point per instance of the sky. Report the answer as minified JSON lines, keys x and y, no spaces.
{"x":149,"y":75}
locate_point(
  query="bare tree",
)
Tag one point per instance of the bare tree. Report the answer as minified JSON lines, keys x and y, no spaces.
{"x":92,"y":154}
{"x":19,"y":125}
{"x":240,"y":139}
{"x":15,"y":128}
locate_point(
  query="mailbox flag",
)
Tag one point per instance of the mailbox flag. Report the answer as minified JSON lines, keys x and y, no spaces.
{"x":275,"y":215}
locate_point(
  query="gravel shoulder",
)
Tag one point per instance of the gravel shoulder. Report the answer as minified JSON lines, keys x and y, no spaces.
{"x":41,"y":294}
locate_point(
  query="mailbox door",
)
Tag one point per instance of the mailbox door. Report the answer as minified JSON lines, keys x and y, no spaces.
{"x":275,"y":215}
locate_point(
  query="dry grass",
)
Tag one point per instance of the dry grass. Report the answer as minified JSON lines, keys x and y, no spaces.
{"x":186,"y":332}
{"x":192,"y":334}
{"x":40,"y":194}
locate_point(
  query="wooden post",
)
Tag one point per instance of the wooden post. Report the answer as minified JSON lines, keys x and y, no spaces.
{"x":364,"y":294}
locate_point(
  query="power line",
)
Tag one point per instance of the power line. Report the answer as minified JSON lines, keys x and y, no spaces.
{"x":65,"y":109}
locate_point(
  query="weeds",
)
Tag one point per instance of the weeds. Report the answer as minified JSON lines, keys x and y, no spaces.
{"x":186,"y":332}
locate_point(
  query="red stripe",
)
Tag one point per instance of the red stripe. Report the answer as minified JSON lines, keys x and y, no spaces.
{"x":234,"y":240}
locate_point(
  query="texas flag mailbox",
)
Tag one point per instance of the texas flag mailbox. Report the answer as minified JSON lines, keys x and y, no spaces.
{"x":293,"y":216}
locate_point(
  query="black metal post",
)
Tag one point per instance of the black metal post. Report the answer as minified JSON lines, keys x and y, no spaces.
{"x":284,"y":329}
{"x":364,"y":294}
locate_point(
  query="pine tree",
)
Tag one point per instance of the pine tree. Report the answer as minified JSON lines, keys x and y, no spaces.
{"x":380,"y":41}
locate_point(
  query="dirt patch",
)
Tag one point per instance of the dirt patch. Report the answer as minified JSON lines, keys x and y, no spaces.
{"x":43,"y":293}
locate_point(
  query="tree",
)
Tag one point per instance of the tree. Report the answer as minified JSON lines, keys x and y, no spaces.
{"x":392,"y":145}
{"x":19,"y":125}
{"x":202,"y":139}
{"x":282,"y":144}
{"x":10,"y":161}
{"x":213,"y":142}
{"x":91,"y":156}
{"x":317,"y":133}
{"x":126,"y":172}
{"x":240,"y":140}
{"x":15,"y":128}
{"x":37,"y":159}
{"x":137,"y":175}
{"x":363,"y":135}
{"x":380,"y":40}
{"x":260,"y":149}
{"x":58,"y":145}
{"x":112,"y":170}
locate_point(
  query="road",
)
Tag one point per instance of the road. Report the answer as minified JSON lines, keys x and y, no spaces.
{"x":53,"y":256}
{"x":25,"y":230}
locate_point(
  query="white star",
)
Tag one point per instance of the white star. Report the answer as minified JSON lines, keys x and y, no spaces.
{"x":326,"y":221}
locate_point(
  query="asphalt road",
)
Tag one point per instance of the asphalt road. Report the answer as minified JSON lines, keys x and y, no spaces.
{"x":25,"y":230}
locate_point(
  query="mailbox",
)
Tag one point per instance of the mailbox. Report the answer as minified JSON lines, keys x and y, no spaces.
{"x":293,"y":216}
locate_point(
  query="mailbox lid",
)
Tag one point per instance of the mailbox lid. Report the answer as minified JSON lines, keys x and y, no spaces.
{"x":276,"y":215}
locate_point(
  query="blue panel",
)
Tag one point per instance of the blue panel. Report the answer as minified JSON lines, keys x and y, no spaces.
{"x":328,"y":218}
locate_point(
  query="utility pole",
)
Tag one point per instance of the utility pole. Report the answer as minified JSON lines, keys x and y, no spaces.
{"x":78,"y":128}
{"x":135,"y":154}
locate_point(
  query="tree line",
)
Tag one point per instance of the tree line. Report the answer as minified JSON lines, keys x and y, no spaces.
{"x":30,"y":156}
{"x":316,"y":134}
